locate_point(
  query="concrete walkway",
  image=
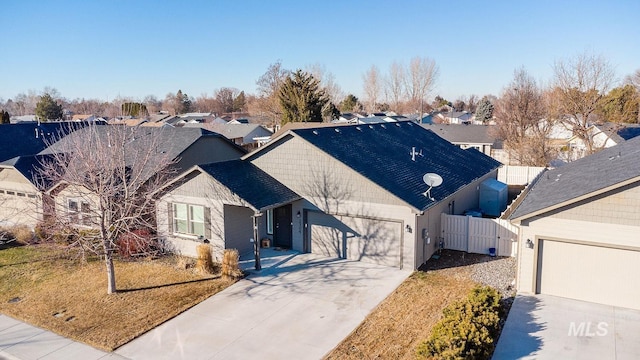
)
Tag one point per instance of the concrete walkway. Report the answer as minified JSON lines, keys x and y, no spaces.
{"x":25,"y":342}
{"x":299,"y":309}
{"x":549,"y":327}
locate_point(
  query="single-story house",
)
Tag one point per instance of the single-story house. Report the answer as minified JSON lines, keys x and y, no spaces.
{"x":241,"y":134}
{"x":354,"y":192}
{"x":580,"y":229}
{"x":186,"y":147}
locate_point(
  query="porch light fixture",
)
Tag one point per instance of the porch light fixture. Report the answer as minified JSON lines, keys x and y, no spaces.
{"x":298,"y":215}
{"x":408,"y":228}
{"x":529,"y":244}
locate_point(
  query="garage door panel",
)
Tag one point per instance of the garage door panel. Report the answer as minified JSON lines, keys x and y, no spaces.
{"x":355,"y":238}
{"x":590,"y":273}
{"x":374,"y":241}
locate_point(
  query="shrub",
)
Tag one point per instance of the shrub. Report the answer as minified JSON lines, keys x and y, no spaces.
{"x":134,"y":243}
{"x":230,"y":268}
{"x":205,"y":260}
{"x":23,"y":234}
{"x":469,"y":329}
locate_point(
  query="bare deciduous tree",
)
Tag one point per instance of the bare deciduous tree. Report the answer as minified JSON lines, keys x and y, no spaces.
{"x":269,"y":85}
{"x":420,"y":80}
{"x":111,"y":172}
{"x":395,"y":85}
{"x":520,"y":122}
{"x":372,"y":88}
{"x":580,"y":83}
{"x":327,"y":82}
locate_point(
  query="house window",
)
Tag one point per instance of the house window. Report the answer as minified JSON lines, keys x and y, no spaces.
{"x":188,"y":219}
{"x":79,"y":212}
{"x":270,"y":221}
{"x":10,"y":193}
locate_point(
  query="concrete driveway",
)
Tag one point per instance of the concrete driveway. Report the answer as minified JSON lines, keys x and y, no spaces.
{"x":548,"y":327}
{"x":300,"y":309}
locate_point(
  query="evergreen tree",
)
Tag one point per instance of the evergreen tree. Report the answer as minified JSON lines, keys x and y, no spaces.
{"x":239,"y":102}
{"x":48,"y":109}
{"x":350,"y":103}
{"x":330,"y":112}
{"x":5,"y":118}
{"x":301,"y":98}
{"x":183,"y":102}
{"x":484,"y":111}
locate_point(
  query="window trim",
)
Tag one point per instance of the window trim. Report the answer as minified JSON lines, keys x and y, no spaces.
{"x":190,"y":221}
{"x":82,"y":212}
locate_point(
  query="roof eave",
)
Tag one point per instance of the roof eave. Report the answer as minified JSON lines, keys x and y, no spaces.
{"x":575,"y":200}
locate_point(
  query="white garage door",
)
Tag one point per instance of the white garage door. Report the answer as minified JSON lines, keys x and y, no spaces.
{"x":355,"y":238}
{"x":591,"y":273}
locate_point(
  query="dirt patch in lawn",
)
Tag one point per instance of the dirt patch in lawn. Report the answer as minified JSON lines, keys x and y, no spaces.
{"x":405,"y":318}
{"x":44,"y":286}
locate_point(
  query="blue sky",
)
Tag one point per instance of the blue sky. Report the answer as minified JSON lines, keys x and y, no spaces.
{"x":108,"y":48}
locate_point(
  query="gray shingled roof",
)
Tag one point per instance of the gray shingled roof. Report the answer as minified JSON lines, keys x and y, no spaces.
{"x":601,"y":170}
{"x":28,"y":166}
{"x":252,"y":184}
{"x":467,"y":134}
{"x":381,"y":153}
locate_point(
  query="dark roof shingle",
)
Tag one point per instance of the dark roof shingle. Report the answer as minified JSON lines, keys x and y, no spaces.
{"x":252,"y":184}
{"x":601,"y":170}
{"x":381,"y":153}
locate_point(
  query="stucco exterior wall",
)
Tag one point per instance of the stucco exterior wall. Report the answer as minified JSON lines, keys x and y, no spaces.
{"x":612,"y":219}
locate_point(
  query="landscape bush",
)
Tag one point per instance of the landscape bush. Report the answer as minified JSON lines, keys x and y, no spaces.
{"x":469,"y":328}
{"x":22,"y":234}
{"x":204,"y":263}
{"x":230,"y":264}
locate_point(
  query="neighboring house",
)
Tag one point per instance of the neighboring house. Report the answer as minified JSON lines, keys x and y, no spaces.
{"x":219,"y":202}
{"x":83,"y":117}
{"x":604,"y":136}
{"x":186,"y":146}
{"x":363,"y":189}
{"x":22,"y":191}
{"x":580,"y":229}
{"x":478,"y":137}
{"x":243,"y":135}
{"x":455,"y":117}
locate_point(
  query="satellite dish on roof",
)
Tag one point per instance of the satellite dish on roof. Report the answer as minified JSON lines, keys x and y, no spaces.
{"x":432,"y":180}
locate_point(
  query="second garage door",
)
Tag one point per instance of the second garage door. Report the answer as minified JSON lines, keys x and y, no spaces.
{"x":355,"y":238}
{"x":591,"y":273}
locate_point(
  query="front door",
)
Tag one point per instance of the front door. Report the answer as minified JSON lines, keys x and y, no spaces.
{"x":283,"y":226}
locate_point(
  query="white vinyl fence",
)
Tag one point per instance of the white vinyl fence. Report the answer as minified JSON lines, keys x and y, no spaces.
{"x":518,"y":175}
{"x":478,"y":235}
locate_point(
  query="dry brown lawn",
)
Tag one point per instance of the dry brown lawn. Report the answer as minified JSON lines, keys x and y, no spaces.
{"x":403,"y":320}
{"x":44,"y":286}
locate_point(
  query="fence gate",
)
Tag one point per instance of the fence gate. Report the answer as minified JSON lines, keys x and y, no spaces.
{"x":477,"y":235}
